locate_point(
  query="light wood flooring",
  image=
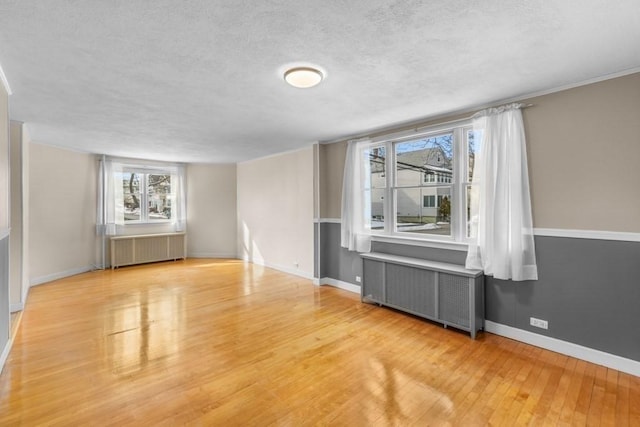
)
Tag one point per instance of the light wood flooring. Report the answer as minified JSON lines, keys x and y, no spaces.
{"x":220,"y":342}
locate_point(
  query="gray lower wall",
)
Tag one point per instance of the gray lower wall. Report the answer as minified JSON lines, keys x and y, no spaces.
{"x":588,"y":290}
{"x":316,"y":250}
{"x":335,"y":261}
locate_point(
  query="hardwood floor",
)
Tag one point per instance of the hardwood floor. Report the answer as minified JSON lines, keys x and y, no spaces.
{"x":220,"y":342}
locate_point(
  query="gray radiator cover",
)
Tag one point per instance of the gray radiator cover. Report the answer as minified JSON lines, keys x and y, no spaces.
{"x":442,"y":292}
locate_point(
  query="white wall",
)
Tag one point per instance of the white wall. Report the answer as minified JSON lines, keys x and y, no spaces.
{"x":26,"y":143}
{"x":583,"y":146}
{"x":4,"y":160}
{"x":5,"y":319}
{"x":211,"y":211}
{"x":62,"y":214}
{"x":18,"y":266}
{"x":275,"y":211}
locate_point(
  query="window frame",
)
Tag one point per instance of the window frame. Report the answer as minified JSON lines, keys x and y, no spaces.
{"x":144,"y":196}
{"x":458,"y":239}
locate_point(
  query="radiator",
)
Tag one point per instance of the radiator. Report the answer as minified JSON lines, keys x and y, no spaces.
{"x":143,"y":248}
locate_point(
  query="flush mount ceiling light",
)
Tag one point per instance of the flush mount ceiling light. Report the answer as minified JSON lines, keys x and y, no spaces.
{"x":303,"y":77}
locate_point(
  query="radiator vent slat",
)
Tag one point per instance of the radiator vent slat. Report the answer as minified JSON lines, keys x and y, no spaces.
{"x":143,"y":248}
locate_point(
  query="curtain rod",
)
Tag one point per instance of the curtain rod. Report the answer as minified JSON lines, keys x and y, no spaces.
{"x":392,"y":133}
{"x":466,"y":118}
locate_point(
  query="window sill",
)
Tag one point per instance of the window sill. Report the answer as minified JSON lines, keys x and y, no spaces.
{"x":145,"y":228}
{"x":143,"y":224}
{"x":426,"y":243}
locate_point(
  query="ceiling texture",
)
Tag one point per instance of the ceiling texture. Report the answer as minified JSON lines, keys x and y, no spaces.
{"x":202,"y":80}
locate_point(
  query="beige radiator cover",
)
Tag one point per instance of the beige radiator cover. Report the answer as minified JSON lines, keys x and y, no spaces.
{"x":143,"y":248}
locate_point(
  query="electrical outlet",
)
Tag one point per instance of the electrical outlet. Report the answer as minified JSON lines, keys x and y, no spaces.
{"x":539,"y":323}
{"x":358,"y":279}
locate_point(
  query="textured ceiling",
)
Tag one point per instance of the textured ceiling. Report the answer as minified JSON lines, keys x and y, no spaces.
{"x":201,"y":81}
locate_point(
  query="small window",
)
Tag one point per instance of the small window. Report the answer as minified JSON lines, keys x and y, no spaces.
{"x":429,"y":202}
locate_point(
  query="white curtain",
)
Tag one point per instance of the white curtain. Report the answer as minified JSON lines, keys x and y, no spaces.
{"x":501,"y":224}
{"x":110,"y":205}
{"x":110,"y":200}
{"x":178,"y":198}
{"x":356,"y":192}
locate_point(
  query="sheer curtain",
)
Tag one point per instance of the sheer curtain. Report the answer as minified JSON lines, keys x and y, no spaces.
{"x":110,"y":198}
{"x":501,"y":224}
{"x":110,"y":205}
{"x":178,"y":198}
{"x":356,"y":212}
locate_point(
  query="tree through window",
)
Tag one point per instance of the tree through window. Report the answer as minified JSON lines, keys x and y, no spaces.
{"x":146,"y":196}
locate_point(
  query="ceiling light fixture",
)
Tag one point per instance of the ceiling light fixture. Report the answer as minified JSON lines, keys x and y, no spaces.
{"x":303,"y":77}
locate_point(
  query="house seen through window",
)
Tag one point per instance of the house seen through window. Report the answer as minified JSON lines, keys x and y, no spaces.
{"x":420,"y":186}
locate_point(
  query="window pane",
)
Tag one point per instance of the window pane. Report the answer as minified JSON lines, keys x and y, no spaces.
{"x":130,"y":182}
{"x":474,"y":139}
{"x":424,"y":161}
{"x":425,"y":210}
{"x":159,"y":196}
{"x":131,"y":195}
{"x":132,"y":207}
{"x":375,"y":158}
{"x":377,"y":209}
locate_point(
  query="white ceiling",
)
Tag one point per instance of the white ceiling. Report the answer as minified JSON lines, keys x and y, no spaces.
{"x":201,"y":81}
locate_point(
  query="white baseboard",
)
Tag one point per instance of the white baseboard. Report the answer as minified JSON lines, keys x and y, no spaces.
{"x":212,"y":255}
{"x":16,"y":307}
{"x":574,"y":350}
{"x":25,"y":294}
{"x":295,"y":272}
{"x":337,"y":284}
{"x":60,"y":275}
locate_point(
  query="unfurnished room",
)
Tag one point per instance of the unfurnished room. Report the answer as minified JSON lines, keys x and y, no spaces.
{"x":279,"y":213}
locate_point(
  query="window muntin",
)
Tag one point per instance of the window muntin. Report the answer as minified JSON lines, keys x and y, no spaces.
{"x":146,"y":196}
{"x":423,"y":183}
{"x":132,"y":198}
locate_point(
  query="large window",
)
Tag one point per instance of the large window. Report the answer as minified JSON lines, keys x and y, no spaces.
{"x":420,"y":185}
{"x":146,"y":196}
